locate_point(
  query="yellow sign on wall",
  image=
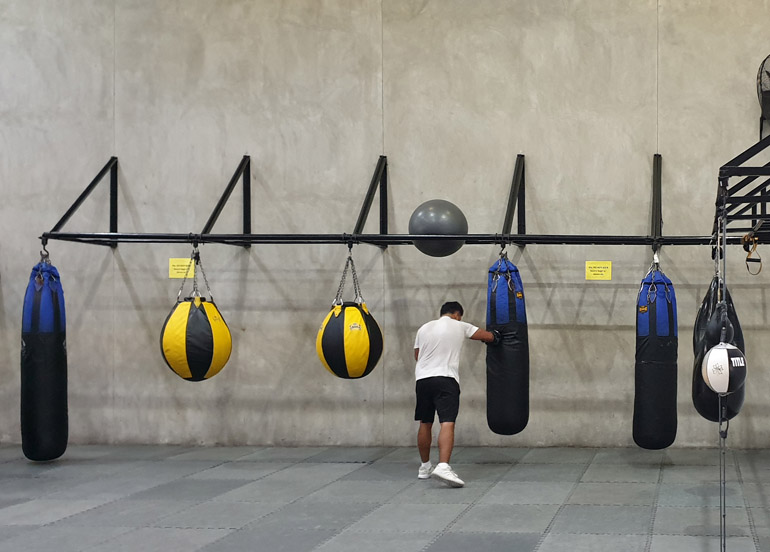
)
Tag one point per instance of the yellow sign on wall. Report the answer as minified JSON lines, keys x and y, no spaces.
{"x":598,"y":270}
{"x":177,"y":268}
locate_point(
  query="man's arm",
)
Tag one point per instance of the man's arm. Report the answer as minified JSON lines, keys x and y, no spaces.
{"x":484,"y":335}
{"x":416,"y":353}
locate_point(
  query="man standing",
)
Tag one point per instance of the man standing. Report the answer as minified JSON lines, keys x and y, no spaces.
{"x":437,"y":352}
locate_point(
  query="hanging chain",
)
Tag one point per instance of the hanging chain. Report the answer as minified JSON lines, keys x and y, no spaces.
{"x":195,"y":259}
{"x":184,"y":280}
{"x":205,"y":280}
{"x":356,"y":287}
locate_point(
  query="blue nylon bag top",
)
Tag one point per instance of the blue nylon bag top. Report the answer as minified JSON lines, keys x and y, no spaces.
{"x":43,"y":310}
{"x":656,"y":306}
{"x":505,"y":294}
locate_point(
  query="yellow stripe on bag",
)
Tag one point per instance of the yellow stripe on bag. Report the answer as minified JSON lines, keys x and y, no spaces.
{"x":174,"y":333}
{"x":356,"y":342}
{"x":223,"y":341}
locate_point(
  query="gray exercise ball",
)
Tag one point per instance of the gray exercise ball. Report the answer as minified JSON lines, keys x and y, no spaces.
{"x":438,"y":216}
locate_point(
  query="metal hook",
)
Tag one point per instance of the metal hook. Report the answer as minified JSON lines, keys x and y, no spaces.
{"x":44,"y":255}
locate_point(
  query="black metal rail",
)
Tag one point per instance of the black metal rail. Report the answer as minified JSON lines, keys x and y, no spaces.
{"x":379,"y":182}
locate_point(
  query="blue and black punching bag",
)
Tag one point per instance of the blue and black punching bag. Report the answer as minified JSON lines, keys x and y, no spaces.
{"x":44,"y":422}
{"x":714,"y":318}
{"x":655,"y":372}
{"x":508,"y":362}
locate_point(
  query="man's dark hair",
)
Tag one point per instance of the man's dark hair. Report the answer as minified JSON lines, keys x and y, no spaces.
{"x":451,"y":307}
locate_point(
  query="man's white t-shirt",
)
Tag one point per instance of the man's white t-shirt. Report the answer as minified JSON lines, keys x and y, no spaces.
{"x":440,"y":342}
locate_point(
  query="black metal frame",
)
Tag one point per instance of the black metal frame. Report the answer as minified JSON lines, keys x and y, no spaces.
{"x":745,"y":201}
{"x":112,"y":167}
{"x":244,"y":172}
{"x":383,"y":239}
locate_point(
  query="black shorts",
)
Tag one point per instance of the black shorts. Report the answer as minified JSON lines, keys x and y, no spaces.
{"x":437,"y":394}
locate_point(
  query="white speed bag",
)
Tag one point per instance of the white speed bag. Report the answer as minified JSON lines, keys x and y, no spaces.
{"x":724,"y":368}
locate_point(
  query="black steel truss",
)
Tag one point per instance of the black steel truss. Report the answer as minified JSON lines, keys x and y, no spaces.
{"x":744,"y":204}
{"x":379,"y":182}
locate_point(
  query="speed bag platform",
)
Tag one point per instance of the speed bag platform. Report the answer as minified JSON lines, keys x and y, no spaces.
{"x":706,"y":401}
{"x":507,"y":362}
{"x":655,"y":372}
{"x":44,"y":419}
{"x":195,"y":340}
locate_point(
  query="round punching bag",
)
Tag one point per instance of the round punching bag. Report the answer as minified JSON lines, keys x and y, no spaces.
{"x":44,"y":421}
{"x":349,"y":342}
{"x":655,"y":421}
{"x":507,"y":363}
{"x":195,"y":340}
{"x":724,"y":369}
{"x":715,"y":317}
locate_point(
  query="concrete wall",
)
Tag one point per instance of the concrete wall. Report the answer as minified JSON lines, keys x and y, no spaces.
{"x":314,"y":91}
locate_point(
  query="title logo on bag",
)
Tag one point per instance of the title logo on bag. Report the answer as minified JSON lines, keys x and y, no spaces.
{"x":355,"y":326}
{"x":519,"y":295}
{"x":643,"y":308}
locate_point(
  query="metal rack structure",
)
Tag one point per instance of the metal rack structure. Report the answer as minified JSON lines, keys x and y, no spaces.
{"x":737,"y":203}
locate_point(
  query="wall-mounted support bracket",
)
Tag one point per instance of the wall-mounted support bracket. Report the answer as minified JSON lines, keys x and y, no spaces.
{"x":516,"y":201}
{"x":656,"y":224}
{"x":112,"y":168}
{"x":379,"y":180}
{"x":244,"y":173}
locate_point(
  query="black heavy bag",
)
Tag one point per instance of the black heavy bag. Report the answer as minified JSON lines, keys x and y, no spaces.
{"x":508,"y":362}
{"x":656,"y":355}
{"x":44,"y":423}
{"x":706,"y":334}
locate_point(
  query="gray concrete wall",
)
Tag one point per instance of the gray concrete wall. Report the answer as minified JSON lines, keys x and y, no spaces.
{"x":314,"y":92}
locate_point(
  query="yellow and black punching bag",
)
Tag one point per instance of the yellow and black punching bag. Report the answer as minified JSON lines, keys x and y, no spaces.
{"x":195,"y":340}
{"x":349,"y":342}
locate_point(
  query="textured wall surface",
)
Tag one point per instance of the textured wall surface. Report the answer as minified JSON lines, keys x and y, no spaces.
{"x":314,"y":91}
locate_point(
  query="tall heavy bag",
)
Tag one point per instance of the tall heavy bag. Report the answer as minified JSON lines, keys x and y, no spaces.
{"x":349,"y":342}
{"x":195,"y":340}
{"x":44,"y":419}
{"x":507,"y":363}
{"x":655,"y":373}
{"x":705,"y":400}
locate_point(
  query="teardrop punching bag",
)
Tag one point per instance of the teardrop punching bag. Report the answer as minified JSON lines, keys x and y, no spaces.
{"x":507,"y":363}
{"x":44,"y":421}
{"x":195,"y":340}
{"x":712,"y":316}
{"x":655,"y":372}
{"x":349,"y":342}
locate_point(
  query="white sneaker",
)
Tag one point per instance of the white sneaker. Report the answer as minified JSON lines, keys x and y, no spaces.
{"x":425,"y":471}
{"x":444,"y":472}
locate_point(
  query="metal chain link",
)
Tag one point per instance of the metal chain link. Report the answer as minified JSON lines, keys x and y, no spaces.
{"x":184,"y":280}
{"x":356,"y":287}
{"x":195,"y":259}
{"x":205,"y":280}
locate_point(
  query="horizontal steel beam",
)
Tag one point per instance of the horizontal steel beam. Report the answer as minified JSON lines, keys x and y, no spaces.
{"x":378,"y":239}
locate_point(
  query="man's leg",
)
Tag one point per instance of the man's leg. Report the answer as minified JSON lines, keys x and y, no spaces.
{"x":424,"y":440}
{"x":446,"y":441}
